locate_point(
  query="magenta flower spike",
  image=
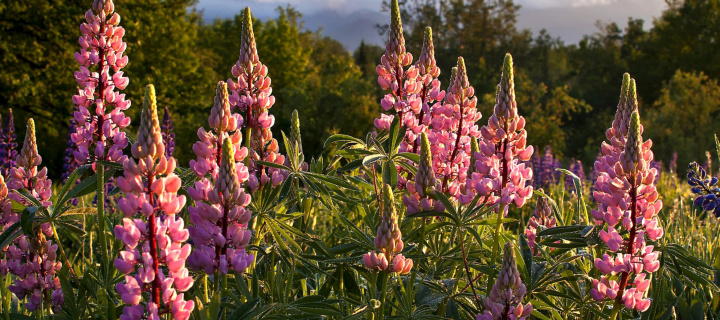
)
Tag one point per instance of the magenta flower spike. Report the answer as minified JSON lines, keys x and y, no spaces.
{"x":7,"y":218}
{"x":32,"y":259}
{"x":153,"y":259}
{"x":219,"y":217}
{"x":252,"y":95}
{"x":627,"y":201}
{"x":501,"y":170}
{"x":388,"y":241}
{"x":453,"y":127}
{"x":419,"y":197}
{"x":100,"y":105}
{"x":505,"y":299}
{"x":8,"y":145}
{"x":395,"y":73}
{"x":430,"y":92}
{"x":542,"y":216}
{"x":26,"y":174}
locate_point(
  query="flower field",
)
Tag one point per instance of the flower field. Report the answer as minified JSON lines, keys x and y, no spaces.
{"x":439,"y":212}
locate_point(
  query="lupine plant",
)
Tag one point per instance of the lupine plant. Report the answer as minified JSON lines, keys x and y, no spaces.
{"x":153,"y":259}
{"x":251,"y":95}
{"x":8,"y":145}
{"x":422,"y":218}
{"x":627,"y":200}
{"x":168,"y":133}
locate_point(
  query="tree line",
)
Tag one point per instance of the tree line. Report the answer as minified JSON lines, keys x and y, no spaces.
{"x":569,"y":91}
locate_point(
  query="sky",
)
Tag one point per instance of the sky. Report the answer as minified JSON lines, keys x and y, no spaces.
{"x":351,"y":21}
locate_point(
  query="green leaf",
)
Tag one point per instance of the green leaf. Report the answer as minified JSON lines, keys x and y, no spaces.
{"x":368,"y":160}
{"x":342,"y":138}
{"x":29,"y":197}
{"x":274,"y":165}
{"x":390,"y":174}
{"x":87,"y":186}
{"x":10,"y":234}
{"x":26,"y":220}
{"x":350,"y":166}
{"x":410,"y":156}
{"x":74,"y":176}
{"x":332,"y":180}
{"x":581,"y":208}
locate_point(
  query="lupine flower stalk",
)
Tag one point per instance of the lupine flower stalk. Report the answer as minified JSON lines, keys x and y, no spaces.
{"x":505,"y":299}
{"x":32,"y":259}
{"x":501,"y":172}
{"x":547,"y":171}
{"x":452,"y":130}
{"x":420,"y":191}
{"x":7,"y":218}
{"x":576,"y":167}
{"x":251,"y":94}
{"x":69,"y":164}
{"x":403,"y":83}
{"x":168,"y":133}
{"x":388,"y":241}
{"x":219,"y":217}
{"x":8,"y":152}
{"x":153,"y":259}
{"x":100,"y":107}
{"x":628,"y":200}
{"x":542,"y":216}
{"x":705,"y":188}
{"x":430,"y":92}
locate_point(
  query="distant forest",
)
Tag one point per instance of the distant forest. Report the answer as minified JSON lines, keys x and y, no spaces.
{"x":568,"y":92}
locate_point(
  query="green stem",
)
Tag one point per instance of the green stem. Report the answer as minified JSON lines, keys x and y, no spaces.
{"x":616,"y":311}
{"x":62,"y":251}
{"x":6,"y":296}
{"x":101,"y":234}
{"x":498,"y":227}
{"x":101,"y":212}
{"x":383,"y":293}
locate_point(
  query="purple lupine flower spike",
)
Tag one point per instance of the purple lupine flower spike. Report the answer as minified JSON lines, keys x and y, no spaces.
{"x":219,"y":230}
{"x":100,"y":105}
{"x":168,"y":134}
{"x":502,"y":173}
{"x":453,"y":126}
{"x":505,"y":298}
{"x":627,"y":210}
{"x":153,"y":258}
{"x":251,"y":95}
{"x":32,"y":259}
{"x":7,"y":218}
{"x":69,"y":164}
{"x":542,"y":216}
{"x":8,"y":149}
{"x":576,"y":167}
{"x":388,"y":240}
{"x":705,"y":188}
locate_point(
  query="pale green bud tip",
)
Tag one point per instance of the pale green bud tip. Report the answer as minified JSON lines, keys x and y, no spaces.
{"x":632,"y":96}
{"x":424,"y":146}
{"x":149,"y":100}
{"x":395,"y":13}
{"x":634,"y":124}
{"x":295,"y":122}
{"x":388,"y":199}
{"x":31,"y":128}
{"x":247,"y":17}
{"x":428,"y":35}
{"x":228,"y":152}
{"x":507,"y":71}
{"x":474,"y":147}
